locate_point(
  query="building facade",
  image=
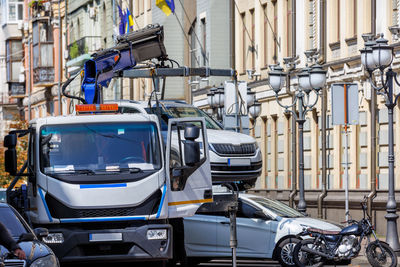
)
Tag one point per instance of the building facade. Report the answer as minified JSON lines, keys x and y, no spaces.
{"x":43,"y":62}
{"x":12,"y":87}
{"x":267,"y":32}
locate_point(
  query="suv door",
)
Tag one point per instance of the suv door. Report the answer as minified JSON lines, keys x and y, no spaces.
{"x":187,"y":167}
{"x":252,"y":233}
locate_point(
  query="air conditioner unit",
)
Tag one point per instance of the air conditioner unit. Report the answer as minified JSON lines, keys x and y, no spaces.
{"x":20,"y":25}
{"x":26,"y":26}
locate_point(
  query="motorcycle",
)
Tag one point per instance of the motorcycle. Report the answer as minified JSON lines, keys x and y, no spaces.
{"x":343,"y":245}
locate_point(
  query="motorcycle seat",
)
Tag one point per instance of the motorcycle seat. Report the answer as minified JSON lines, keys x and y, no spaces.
{"x":324,"y":232}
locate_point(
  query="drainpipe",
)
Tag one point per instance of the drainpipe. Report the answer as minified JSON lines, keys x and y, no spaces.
{"x":293,"y":192}
{"x":232,"y":29}
{"x":66,"y":34}
{"x":372,"y":194}
{"x":322,"y":31}
{"x":59,"y":58}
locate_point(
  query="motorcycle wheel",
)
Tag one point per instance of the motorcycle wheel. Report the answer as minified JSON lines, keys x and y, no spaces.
{"x":378,"y":258}
{"x":303,"y":259}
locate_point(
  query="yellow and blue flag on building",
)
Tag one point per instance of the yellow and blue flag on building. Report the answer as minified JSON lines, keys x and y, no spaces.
{"x":166,"y":6}
{"x":129,"y":21}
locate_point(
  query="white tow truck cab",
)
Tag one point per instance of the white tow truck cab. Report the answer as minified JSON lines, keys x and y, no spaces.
{"x":105,"y":185}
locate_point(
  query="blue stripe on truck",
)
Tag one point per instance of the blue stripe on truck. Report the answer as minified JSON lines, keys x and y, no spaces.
{"x":78,"y":220}
{"x":88,"y":186}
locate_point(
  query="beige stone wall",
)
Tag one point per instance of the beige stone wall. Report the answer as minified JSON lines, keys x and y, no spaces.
{"x":346,"y":21}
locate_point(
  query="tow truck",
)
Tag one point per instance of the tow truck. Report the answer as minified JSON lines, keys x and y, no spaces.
{"x":104,"y":183}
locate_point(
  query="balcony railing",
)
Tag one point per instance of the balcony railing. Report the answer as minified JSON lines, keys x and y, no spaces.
{"x":43,"y":75}
{"x":85,"y":45}
{"x":16,"y":89}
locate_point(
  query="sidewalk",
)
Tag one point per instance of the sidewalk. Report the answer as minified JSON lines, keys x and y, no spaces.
{"x":362,"y":260}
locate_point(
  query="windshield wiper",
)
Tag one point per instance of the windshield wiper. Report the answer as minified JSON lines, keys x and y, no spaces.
{"x":80,"y":171}
{"x":119,"y":170}
{"x":131,"y":169}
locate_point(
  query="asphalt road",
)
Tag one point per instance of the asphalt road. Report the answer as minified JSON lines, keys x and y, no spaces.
{"x":214,"y":263}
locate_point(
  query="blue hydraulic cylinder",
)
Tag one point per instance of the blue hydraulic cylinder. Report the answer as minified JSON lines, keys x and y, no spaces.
{"x":99,"y":71}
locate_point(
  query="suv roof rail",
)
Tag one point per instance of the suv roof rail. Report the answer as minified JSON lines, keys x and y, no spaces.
{"x":174,"y":101}
{"x":123,"y":100}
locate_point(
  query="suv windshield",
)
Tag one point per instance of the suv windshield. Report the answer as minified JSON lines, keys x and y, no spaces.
{"x":11,"y":222}
{"x":99,"y":147}
{"x":185,"y":112}
{"x":277,"y":207}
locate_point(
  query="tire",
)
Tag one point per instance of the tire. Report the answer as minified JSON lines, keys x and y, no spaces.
{"x":377,"y":259}
{"x":303,"y":259}
{"x":284,"y":251}
{"x":189,"y":262}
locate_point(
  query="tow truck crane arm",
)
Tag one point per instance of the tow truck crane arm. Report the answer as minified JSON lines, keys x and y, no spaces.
{"x":131,"y":48}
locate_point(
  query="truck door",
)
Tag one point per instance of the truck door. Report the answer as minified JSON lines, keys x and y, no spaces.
{"x":188,"y":166}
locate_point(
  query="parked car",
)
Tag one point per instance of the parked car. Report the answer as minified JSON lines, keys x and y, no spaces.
{"x":233,"y":156}
{"x":37,"y":253}
{"x":266,"y":229}
{"x":3,"y":197}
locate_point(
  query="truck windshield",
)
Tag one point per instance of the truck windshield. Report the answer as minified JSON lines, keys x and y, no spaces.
{"x":99,"y":147}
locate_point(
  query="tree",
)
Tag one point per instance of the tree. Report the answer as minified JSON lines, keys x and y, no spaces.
{"x":22,"y":145}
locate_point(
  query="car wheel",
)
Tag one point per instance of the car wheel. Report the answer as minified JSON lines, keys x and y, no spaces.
{"x":189,"y":262}
{"x":284,"y":252}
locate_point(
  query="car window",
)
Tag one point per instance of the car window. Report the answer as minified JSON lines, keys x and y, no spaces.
{"x":209,"y":209}
{"x":277,"y":207}
{"x":3,"y":196}
{"x":245,"y":210}
{"x":128,"y":110}
{"x":11,"y":221}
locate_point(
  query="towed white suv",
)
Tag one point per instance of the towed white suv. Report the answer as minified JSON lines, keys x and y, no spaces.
{"x":233,"y":156}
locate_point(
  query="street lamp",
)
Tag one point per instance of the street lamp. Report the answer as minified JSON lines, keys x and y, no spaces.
{"x":310,"y":79}
{"x":378,"y":55}
{"x":216,"y":101}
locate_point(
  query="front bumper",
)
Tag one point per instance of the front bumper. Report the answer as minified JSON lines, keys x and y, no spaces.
{"x":134,"y":245}
{"x":221,"y":171}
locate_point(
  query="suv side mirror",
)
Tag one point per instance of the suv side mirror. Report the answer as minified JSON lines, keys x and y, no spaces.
{"x":261,"y":215}
{"x":41,"y":233}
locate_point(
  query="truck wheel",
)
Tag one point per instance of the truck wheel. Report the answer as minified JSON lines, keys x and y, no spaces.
{"x":161,"y":264}
{"x":284,"y":252}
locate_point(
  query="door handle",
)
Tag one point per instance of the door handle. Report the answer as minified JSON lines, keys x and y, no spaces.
{"x":224,"y":222}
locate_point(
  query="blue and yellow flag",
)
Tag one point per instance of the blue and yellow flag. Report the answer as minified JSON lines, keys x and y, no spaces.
{"x":166,"y":6}
{"x":122,"y":23}
{"x":129,"y":21}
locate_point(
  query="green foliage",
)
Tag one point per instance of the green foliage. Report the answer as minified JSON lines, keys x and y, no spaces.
{"x":74,"y":50}
{"x":35,"y":3}
{"x":22,"y":148}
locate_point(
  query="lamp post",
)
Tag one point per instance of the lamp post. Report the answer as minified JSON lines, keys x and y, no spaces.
{"x":310,"y":79}
{"x":216,"y":101}
{"x":378,"y":55}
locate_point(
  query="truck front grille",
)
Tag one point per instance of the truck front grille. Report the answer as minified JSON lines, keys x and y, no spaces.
{"x":14,"y":263}
{"x":229,"y":149}
{"x":60,"y":211}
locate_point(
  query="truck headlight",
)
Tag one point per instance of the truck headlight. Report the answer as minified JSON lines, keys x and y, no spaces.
{"x":54,"y":238}
{"x":157,"y":234}
{"x":48,"y":261}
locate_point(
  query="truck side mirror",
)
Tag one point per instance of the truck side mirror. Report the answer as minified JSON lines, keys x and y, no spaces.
{"x":192,"y":133}
{"x":192,"y":148}
{"x":10,"y":161}
{"x":10,"y":141}
{"x":192,"y":152}
{"x":10,"y":155}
